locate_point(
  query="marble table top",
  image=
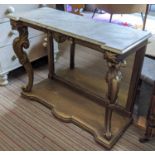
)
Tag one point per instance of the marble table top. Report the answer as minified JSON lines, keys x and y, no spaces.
{"x":116,"y":38}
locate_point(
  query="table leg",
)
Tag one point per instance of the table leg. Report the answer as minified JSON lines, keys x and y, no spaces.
{"x":113,"y":78}
{"x":50,"y":55}
{"x":19,"y":44}
{"x":72,"y":55}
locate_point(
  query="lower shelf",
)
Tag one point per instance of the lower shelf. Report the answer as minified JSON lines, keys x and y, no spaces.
{"x":70,"y":106}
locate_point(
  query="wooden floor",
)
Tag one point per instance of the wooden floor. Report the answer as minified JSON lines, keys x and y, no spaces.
{"x":28,"y":125}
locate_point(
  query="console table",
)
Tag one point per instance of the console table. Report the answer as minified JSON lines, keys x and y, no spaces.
{"x":106,"y":112}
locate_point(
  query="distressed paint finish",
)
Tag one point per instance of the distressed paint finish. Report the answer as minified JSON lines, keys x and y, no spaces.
{"x":115,"y":42}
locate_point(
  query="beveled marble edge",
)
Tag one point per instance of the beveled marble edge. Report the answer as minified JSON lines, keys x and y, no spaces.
{"x":135,"y":44}
{"x":102,"y":44}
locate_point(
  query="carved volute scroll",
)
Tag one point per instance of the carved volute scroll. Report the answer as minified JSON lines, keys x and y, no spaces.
{"x":19,"y":44}
{"x":113,"y":78}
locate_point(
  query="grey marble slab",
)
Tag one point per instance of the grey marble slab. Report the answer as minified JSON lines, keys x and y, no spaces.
{"x":116,"y":38}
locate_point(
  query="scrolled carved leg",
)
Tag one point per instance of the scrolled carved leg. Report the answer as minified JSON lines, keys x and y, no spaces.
{"x":19,"y":44}
{"x":113,"y":78}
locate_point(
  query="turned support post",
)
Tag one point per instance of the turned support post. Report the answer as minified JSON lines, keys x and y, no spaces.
{"x":19,"y":44}
{"x":113,"y":78}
